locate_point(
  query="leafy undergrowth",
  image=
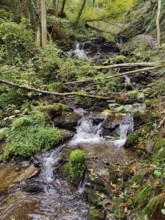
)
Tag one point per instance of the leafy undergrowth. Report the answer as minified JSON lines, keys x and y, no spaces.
{"x":29,"y":134}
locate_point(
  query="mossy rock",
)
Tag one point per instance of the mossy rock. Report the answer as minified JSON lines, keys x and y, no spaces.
{"x":132,"y":140}
{"x":67,"y":120}
{"x":97,"y":184}
{"x":53,"y":110}
{"x":64,"y":170}
{"x":76,"y":165}
{"x":92,"y":197}
{"x":96,"y":214}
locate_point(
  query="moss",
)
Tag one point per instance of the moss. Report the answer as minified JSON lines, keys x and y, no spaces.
{"x":56,"y":87}
{"x":96,"y":214}
{"x":29,"y":134}
{"x":84,"y":101}
{"x":3,"y":133}
{"x":119,"y":59}
{"x":76,"y":165}
{"x":132,"y":140}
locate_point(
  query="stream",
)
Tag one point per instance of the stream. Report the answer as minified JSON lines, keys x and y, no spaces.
{"x":48,"y":196}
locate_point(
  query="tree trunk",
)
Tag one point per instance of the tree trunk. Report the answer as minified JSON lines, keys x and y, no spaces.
{"x":158,"y":23}
{"x":38,"y":34}
{"x":24,"y":9}
{"x":56,"y":7}
{"x":62,"y":9}
{"x":80,"y":12}
{"x":41,"y":35}
{"x":43,"y":24}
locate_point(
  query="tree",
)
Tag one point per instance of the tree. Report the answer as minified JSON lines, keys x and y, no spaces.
{"x":80,"y":12}
{"x":41,"y":35}
{"x":56,"y":7}
{"x":158,"y":22}
{"x":62,"y":9}
{"x":24,"y":9}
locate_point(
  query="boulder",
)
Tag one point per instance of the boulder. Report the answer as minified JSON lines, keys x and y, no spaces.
{"x":68,"y":120}
{"x":28,"y":173}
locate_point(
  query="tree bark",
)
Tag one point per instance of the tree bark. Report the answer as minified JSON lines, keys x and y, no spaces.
{"x":43,"y":24}
{"x":41,"y":35}
{"x":24,"y":9}
{"x":62,"y":9}
{"x":80,"y":12}
{"x":38,"y":33}
{"x":158,"y":23}
{"x":56,"y":7}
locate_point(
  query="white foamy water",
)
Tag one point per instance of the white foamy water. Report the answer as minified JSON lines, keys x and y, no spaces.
{"x":127,"y":79}
{"x":79,"y":53}
{"x":87,"y":132}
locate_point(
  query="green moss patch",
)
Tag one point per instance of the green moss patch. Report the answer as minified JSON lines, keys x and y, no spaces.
{"x":29,"y":134}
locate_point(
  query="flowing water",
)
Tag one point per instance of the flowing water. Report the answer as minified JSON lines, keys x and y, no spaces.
{"x":54,"y":198}
{"x":78,"y":52}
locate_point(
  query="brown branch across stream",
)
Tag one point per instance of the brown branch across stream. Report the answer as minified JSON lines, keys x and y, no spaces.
{"x":79,"y":93}
{"x":56,"y":93}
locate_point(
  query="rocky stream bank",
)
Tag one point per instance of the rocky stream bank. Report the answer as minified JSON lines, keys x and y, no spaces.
{"x":122,"y":138}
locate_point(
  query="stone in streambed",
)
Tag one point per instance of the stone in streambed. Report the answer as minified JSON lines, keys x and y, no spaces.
{"x":68,"y":120}
{"x":28,"y":173}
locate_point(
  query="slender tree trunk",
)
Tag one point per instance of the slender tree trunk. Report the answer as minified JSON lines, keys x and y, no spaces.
{"x":43,"y":24}
{"x":38,"y":34}
{"x":41,"y":35}
{"x":56,"y":7}
{"x":158,"y":23}
{"x":62,"y":9}
{"x":80,"y":12}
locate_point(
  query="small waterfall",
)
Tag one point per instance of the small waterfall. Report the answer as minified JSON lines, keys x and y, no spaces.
{"x":88,"y":131}
{"x":127,"y":79}
{"x":126,"y":127}
{"x":49,"y":161}
{"x":78,"y":52}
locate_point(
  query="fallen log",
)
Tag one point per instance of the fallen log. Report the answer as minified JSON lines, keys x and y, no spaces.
{"x":126,"y":65}
{"x":56,"y":93}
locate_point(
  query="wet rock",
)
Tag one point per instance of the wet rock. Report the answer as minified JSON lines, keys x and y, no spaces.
{"x":31,"y":188}
{"x":132,"y":140}
{"x":67,"y":135}
{"x":67,"y":120}
{"x":92,"y":197}
{"x":8,"y":173}
{"x":28,"y":173}
{"x":97,"y":184}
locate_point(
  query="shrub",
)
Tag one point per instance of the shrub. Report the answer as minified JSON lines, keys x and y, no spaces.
{"x":76,"y":165}
{"x":16,"y":41}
